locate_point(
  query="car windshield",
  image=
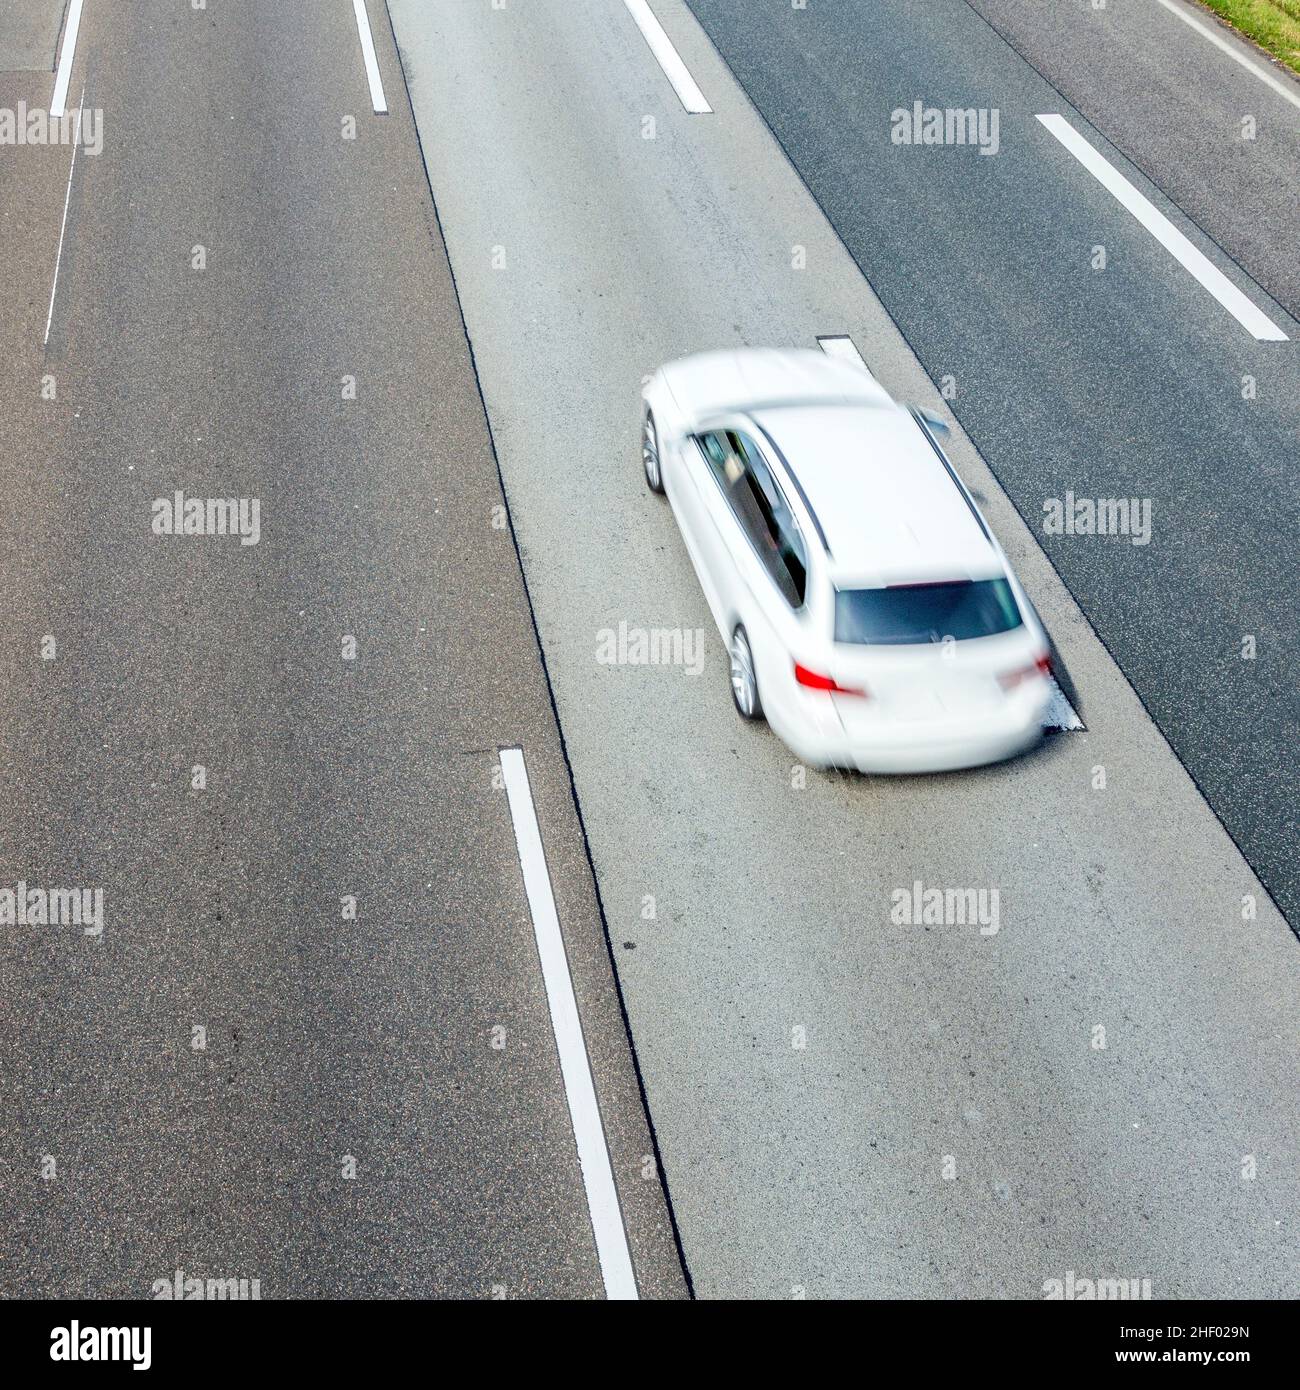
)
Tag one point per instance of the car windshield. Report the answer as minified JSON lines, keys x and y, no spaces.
{"x":906,"y":614}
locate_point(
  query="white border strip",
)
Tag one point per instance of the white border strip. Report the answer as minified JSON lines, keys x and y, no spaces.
{"x":1280,"y":87}
{"x":669,"y":59}
{"x":580,"y":1090}
{"x":1254,"y":320}
{"x":368,"y":53}
{"x":841,"y":347}
{"x":63,"y":226}
{"x":66,"y":55}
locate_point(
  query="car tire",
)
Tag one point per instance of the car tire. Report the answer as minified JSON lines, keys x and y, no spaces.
{"x":650,"y":457}
{"x":744,"y":678}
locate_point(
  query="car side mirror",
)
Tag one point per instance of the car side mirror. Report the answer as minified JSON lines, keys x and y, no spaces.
{"x":933,"y":421}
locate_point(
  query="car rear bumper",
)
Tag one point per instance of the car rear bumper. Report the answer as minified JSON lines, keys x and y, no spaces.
{"x":913,"y":748}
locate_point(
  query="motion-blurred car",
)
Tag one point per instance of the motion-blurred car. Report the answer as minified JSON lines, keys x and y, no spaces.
{"x":868,"y":611}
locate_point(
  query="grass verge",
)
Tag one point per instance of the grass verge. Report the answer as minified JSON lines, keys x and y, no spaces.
{"x":1273,"y":24}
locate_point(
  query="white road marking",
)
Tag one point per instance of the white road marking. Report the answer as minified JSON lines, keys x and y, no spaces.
{"x":844,"y":348}
{"x":63,"y":226}
{"x":1277,"y":84}
{"x":1254,"y":320}
{"x":1060,"y":713}
{"x":66,"y":54}
{"x":580,"y":1090}
{"x":669,"y":59}
{"x":368,"y":53}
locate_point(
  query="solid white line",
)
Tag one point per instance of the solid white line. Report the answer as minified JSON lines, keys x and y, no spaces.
{"x":368,"y":53}
{"x":1279,"y":86}
{"x":669,"y":59}
{"x":842,"y":347}
{"x":66,"y":54}
{"x":584,"y":1111}
{"x":63,"y":226}
{"x":1254,"y":320}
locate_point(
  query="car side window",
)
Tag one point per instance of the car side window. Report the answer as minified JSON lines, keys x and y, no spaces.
{"x":760,"y":508}
{"x":723,"y":459}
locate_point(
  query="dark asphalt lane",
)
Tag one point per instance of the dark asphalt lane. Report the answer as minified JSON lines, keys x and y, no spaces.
{"x":127,"y":1152}
{"x":1178,"y":108}
{"x":1124,"y":382}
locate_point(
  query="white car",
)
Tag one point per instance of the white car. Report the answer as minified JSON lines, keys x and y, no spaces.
{"x":869,"y":612}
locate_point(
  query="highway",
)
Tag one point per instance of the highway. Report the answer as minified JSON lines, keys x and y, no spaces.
{"x":327,"y":1038}
{"x":321,"y":1040}
{"x":1052,"y":393}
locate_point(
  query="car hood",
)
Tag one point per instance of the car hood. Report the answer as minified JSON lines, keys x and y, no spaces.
{"x":711,"y":383}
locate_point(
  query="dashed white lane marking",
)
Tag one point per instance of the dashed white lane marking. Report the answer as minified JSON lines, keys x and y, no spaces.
{"x":841,"y":346}
{"x":669,"y":59}
{"x":579,"y":1088}
{"x":1254,"y":320}
{"x":1280,"y":87}
{"x":58,"y":102}
{"x":1060,"y":715}
{"x":368,"y":54}
{"x":63,"y":226}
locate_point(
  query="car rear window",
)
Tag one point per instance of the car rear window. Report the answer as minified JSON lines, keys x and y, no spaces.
{"x":905,"y":614}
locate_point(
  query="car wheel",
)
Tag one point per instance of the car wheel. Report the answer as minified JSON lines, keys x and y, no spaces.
{"x":744,"y":683}
{"x":650,"y":453}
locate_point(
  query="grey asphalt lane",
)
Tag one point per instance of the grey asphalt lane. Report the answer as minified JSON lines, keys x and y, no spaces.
{"x":29,"y":34}
{"x":847,"y":1105}
{"x":1127,"y":381}
{"x":312,"y":1046}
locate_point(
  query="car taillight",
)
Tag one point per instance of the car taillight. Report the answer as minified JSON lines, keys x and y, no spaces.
{"x":1010,"y":679}
{"x":810,"y":680}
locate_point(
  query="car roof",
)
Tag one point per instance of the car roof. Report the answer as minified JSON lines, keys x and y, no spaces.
{"x":888,"y":508}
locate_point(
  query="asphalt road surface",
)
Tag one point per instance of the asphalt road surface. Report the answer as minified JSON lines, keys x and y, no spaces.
{"x":416,"y":338}
{"x":411,"y":1046}
{"x":1127,"y":381}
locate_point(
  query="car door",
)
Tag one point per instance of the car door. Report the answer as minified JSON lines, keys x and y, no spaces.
{"x":758,"y":553}
{"x":704,"y":518}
